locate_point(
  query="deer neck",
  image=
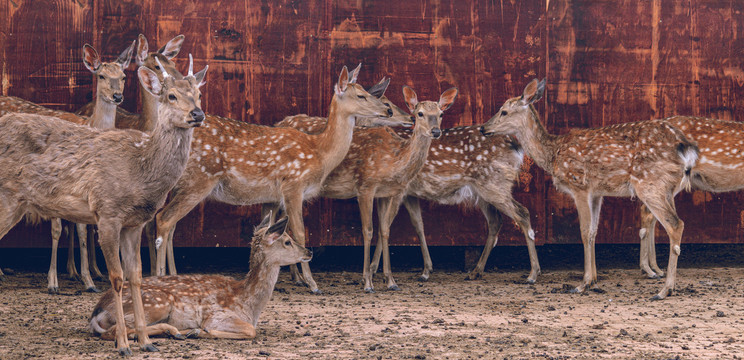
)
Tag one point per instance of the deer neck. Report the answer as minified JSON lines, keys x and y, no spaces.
{"x":164,"y":154}
{"x":537,"y":142}
{"x":257,"y":288}
{"x":334,"y":142}
{"x":104,"y":114}
{"x":149,"y":114}
{"x":416,"y":152}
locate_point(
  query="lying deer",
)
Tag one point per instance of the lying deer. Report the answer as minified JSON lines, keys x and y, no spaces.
{"x":648,"y":159}
{"x":144,"y":121}
{"x":239,"y":163}
{"x":719,"y":169}
{"x":116,"y":179}
{"x":209,"y":306}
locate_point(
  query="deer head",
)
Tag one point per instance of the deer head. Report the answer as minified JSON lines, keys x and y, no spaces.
{"x":352,"y":98}
{"x":515,"y":111}
{"x":273,"y":246}
{"x":180,"y":98}
{"x":110,"y":75}
{"x":164,"y":55}
{"x":428,"y":114}
{"x":399,"y":117}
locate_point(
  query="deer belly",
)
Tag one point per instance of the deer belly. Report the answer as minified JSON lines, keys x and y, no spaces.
{"x":238,"y":190}
{"x":67,"y":207}
{"x":186,"y":316}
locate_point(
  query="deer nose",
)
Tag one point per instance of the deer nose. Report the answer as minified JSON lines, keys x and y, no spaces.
{"x":118,"y":98}
{"x":484,"y":132}
{"x":390,"y":112}
{"x":436,"y":133}
{"x":197,"y":114}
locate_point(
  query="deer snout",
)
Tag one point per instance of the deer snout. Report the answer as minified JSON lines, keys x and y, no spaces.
{"x":197,"y":116}
{"x":118,"y":98}
{"x":485,"y":132}
{"x":308,"y":255}
{"x":436,"y":133}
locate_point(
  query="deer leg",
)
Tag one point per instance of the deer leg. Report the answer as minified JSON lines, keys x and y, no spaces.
{"x":82,"y":231}
{"x":53,"y":285}
{"x":389,"y":211}
{"x":293,"y":207}
{"x":374,"y":265}
{"x":228,"y":328}
{"x":108,"y":232}
{"x":414,"y":213}
{"x":648,"y":245}
{"x":72,"y":272}
{"x":662,"y":206}
{"x":10,"y":214}
{"x":130,"y":245}
{"x":366,"y":202}
{"x":583,"y":205}
{"x":596,"y":206}
{"x":169,"y":254}
{"x":159,"y":329}
{"x":92,"y":254}
{"x":494,"y":221}
{"x":150,"y":231}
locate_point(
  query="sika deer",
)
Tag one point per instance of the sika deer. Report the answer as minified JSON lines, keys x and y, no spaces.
{"x":209,"y":306}
{"x":116,"y":179}
{"x":719,"y":169}
{"x":146,"y":120}
{"x":241,"y":164}
{"x":109,"y":87}
{"x":648,"y":159}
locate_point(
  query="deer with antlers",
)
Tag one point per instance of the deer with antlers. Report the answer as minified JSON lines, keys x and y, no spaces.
{"x":648,"y":159}
{"x":209,"y":306}
{"x":719,"y":169}
{"x":110,"y":85}
{"x":240,"y":163}
{"x":116,"y":179}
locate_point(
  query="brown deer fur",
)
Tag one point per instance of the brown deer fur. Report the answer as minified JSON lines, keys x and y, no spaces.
{"x":719,"y":169}
{"x":647,"y":159}
{"x":116,"y":179}
{"x":240,"y":163}
{"x":209,"y":305}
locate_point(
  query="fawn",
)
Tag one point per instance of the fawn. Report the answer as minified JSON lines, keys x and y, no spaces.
{"x":719,"y":169}
{"x":209,"y":306}
{"x":241,"y":164}
{"x":116,"y":179}
{"x":144,"y":121}
{"x":648,"y":159}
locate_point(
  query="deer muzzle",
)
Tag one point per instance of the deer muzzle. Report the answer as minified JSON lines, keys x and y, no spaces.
{"x":485,"y":132}
{"x":118,"y":98}
{"x":197,"y":116}
{"x":308,"y":255}
{"x":436,"y":133}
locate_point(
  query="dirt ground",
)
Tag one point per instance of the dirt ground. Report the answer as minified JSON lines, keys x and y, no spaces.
{"x":498,"y":316}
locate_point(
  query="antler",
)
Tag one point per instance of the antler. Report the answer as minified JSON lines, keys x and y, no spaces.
{"x":165,"y":73}
{"x":191,"y":65}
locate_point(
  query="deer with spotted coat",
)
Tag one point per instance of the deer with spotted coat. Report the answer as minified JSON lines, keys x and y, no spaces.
{"x":719,"y":169}
{"x":239,"y":163}
{"x":110,"y":85}
{"x":209,"y":306}
{"x":651,"y":160}
{"x":116,"y":179}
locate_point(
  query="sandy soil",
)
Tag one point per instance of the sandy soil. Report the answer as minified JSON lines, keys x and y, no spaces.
{"x":497,"y":317}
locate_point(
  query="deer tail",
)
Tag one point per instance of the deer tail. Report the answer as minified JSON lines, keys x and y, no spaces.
{"x":95,"y":321}
{"x":688,"y":152}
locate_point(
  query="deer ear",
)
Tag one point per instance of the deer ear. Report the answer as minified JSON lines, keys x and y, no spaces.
{"x":149,"y":81}
{"x":378,"y":90}
{"x":200,"y":76}
{"x":343,"y":81}
{"x":411,"y":98}
{"x":266,"y":222}
{"x":171,"y":49}
{"x":279,"y":227}
{"x":91,"y":59}
{"x":533,"y":91}
{"x":142,"y":50}
{"x":126,"y":56}
{"x":447,"y":98}
{"x":354,"y":73}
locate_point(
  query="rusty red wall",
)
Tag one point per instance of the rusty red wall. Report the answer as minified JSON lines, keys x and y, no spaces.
{"x":606,"y":62}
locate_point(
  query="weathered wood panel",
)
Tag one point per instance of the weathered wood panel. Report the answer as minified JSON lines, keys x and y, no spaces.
{"x":606,"y":61}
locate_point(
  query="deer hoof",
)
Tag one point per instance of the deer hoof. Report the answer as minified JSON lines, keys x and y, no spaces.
{"x":149,"y":348}
{"x":576,"y":290}
{"x":53,"y":290}
{"x":394,"y":288}
{"x":125,"y":351}
{"x":193,"y":333}
{"x":369,"y":290}
{"x":473,"y":276}
{"x":178,"y":336}
{"x":93,"y":290}
{"x":657,"y":297}
{"x":316,"y":291}
{"x":423,"y":278}
{"x":531,"y":281}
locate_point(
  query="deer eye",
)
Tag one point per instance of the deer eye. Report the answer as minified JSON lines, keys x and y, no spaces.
{"x":157,"y":67}
{"x":172,"y":97}
{"x":287,"y":243}
{"x":503,"y":113}
{"x":362,"y":97}
{"x":100,"y":77}
{"x":420,"y":114}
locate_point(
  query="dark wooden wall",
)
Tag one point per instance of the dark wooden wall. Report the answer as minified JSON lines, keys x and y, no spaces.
{"x":607,"y":62}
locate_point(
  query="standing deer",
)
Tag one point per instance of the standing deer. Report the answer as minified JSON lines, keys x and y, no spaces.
{"x":719,"y":169}
{"x":116,"y":179}
{"x":209,"y":306}
{"x":241,"y":164}
{"x":109,"y":88}
{"x":648,"y":159}
{"x":146,"y":120}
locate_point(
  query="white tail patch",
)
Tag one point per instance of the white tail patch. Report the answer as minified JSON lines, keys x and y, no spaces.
{"x":689,"y":157}
{"x":531,"y":234}
{"x":642,"y":233}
